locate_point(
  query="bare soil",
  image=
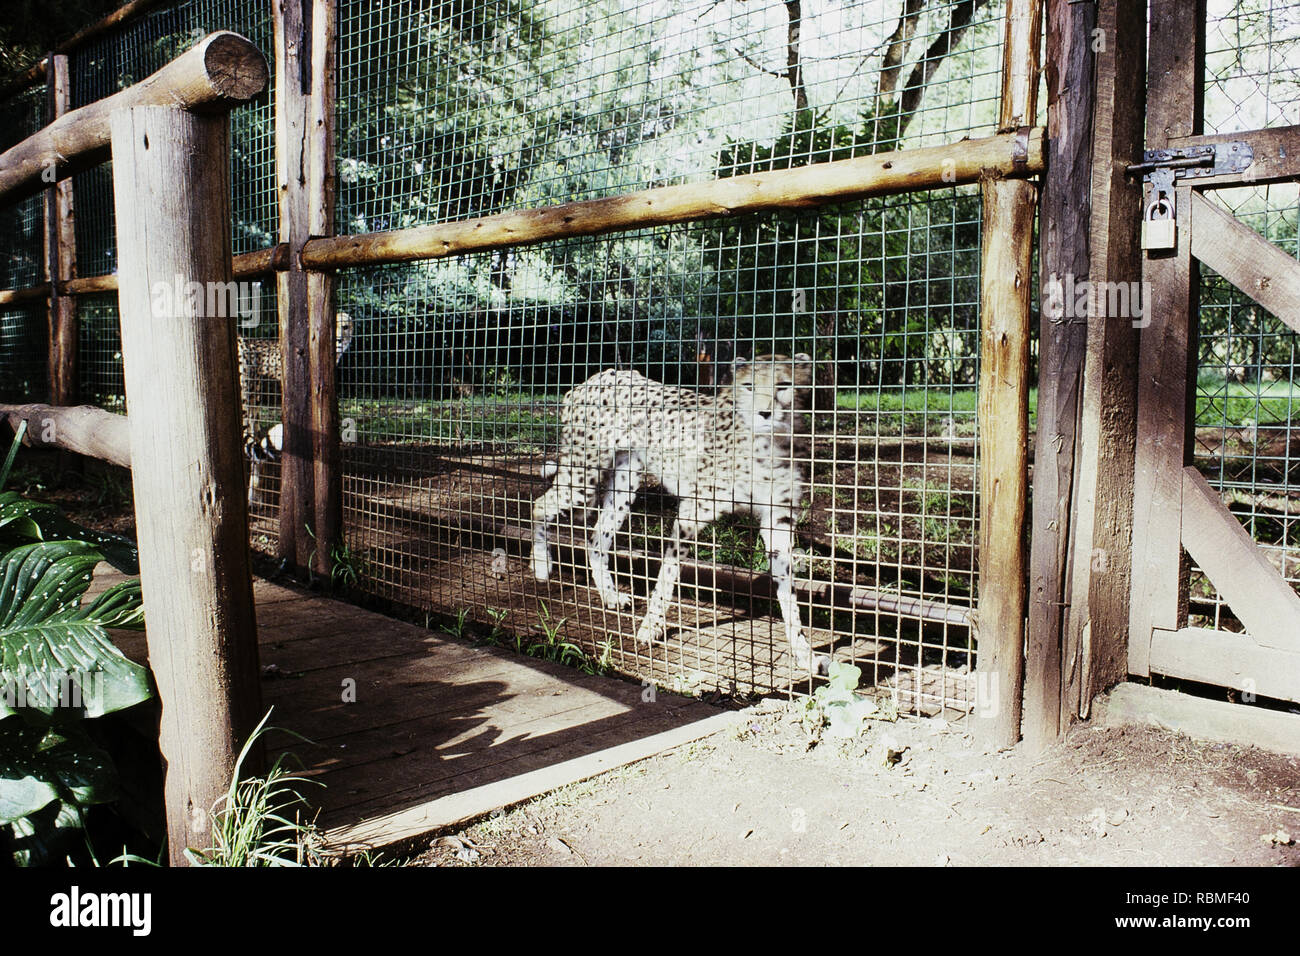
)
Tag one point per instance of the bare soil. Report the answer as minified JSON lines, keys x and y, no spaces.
{"x":915,"y":792}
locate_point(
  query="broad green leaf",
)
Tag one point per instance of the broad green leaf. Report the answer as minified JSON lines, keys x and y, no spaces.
{"x":54,"y":651}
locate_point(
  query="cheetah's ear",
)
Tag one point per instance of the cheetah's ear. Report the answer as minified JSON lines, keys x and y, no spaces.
{"x":803,"y":358}
{"x":739,"y":362}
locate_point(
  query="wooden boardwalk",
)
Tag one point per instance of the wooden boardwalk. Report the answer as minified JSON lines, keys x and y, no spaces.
{"x":413,"y":731}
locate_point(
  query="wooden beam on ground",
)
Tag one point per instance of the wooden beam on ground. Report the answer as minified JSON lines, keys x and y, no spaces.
{"x":1246,"y":259}
{"x":1198,"y":717}
{"x":447,"y":812}
{"x":171,"y":185}
{"x":327,"y":471}
{"x":293,"y":138}
{"x":1052,"y":667}
{"x":84,"y":429}
{"x":1006,"y":266}
{"x":1259,"y":595}
{"x":1008,"y":155}
{"x":1097,"y":612}
{"x":220,"y":70}
{"x":1167,"y":349}
{"x":1226,"y":660}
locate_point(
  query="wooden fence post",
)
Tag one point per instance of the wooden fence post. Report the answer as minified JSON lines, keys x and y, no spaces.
{"x":1003,"y":415}
{"x":310,"y":476}
{"x":171,"y":184}
{"x":326,"y":453}
{"x":1097,"y":618}
{"x":1051,"y":671}
{"x":61,"y":256}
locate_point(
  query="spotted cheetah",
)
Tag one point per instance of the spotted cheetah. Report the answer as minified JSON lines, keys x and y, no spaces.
{"x":737,"y":451}
{"x":261,"y":370}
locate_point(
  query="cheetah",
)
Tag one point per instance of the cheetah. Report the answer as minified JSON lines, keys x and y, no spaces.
{"x":739,"y":451}
{"x":261,"y":364}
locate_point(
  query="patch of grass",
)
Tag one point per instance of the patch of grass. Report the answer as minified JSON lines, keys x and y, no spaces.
{"x":1220,"y":402}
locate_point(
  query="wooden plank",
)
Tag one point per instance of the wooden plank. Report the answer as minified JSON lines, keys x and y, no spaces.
{"x":1277,"y":155}
{"x":61,"y":257}
{"x":1175,"y":107}
{"x":1226,"y":660}
{"x":447,"y":812}
{"x":1063,"y":343}
{"x":221,"y":70}
{"x":1246,"y":259}
{"x":1200,"y":718}
{"x":1097,"y":614}
{"x":937,"y":167}
{"x":1257,"y":593}
{"x":172,"y":204}
{"x":293,"y":79}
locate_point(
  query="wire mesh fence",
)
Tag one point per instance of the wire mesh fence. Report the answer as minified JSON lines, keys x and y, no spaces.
{"x":452,"y":388}
{"x":1246,"y":437}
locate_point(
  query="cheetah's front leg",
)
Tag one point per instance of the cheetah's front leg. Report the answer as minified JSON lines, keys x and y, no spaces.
{"x":779,"y":542}
{"x":623,"y":485}
{"x":655,"y":622}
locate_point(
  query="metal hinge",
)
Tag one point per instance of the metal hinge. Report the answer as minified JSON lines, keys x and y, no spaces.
{"x":1193,"y":162}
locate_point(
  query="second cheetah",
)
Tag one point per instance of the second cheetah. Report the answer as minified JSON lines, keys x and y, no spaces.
{"x":739,"y":451}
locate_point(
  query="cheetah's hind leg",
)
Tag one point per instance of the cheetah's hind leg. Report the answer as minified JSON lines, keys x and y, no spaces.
{"x":779,"y":542}
{"x":624,"y":480}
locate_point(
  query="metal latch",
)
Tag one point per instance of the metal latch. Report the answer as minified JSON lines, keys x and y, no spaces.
{"x":1194,"y":162}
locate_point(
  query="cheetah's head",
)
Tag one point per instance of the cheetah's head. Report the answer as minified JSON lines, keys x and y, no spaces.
{"x":772,"y":391}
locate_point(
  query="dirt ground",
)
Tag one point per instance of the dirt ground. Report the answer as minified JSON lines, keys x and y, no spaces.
{"x":914,"y":792}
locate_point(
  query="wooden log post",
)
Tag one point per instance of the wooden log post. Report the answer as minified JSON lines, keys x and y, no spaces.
{"x":1003,"y":413}
{"x":293,"y":78}
{"x":1051,"y":671}
{"x":171,"y":186}
{"x":61,"y":256}
{"x":327,"y":472}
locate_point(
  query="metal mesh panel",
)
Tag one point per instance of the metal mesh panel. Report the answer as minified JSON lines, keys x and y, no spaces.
{"x":24,"y":344}
{"x":119,"y":58}
{"x":1251,"y":74}
{"x":451,"y":391}
{"x":1247,"y":437}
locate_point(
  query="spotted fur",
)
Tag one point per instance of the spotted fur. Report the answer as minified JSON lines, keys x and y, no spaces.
{"x":261,"y":369}
{"x":736,"y":451}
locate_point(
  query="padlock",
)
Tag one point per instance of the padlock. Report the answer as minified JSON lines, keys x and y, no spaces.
{"x":1159,"y":229}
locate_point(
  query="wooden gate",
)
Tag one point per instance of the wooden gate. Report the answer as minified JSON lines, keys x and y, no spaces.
{"x":1176,"y":513}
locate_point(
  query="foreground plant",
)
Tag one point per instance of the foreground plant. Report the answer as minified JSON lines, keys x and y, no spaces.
{"x":257,"y":822}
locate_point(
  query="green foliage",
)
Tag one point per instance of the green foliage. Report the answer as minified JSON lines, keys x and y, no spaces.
{"x":836,"y":707}
{"x":258,"y":822}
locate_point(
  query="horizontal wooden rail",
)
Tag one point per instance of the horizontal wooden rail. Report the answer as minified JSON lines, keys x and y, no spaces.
{"x":221,"y":69}
{"x":1007,"y":155}
{"x":250,"y":265}
{"x":85,"y":429}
